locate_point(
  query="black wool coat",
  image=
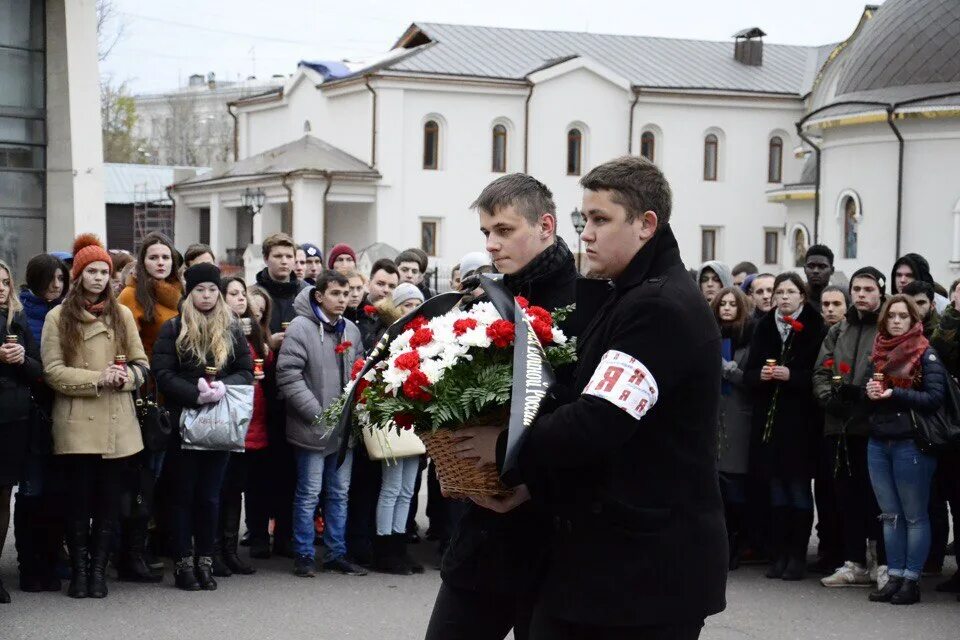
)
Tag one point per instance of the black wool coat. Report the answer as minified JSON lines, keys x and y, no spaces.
{"x":15,"y":404}
{"x":791,"y":452}
{"x":638,"y":529}
{"x":177,"y":379}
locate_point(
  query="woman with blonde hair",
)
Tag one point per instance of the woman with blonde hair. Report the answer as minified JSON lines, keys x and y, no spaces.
{"x":206,"y":335}
{"x":95,"y":428}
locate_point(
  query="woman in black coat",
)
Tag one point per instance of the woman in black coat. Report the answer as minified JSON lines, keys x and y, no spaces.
{"x":204,"y":335}
{"x":19,"y":367}
{"x":785,"y":431}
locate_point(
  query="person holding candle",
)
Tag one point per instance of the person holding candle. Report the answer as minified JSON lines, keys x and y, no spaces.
{"x":785,"y":419}
{"x":909,"y":376}
{"x":196,"y":355}
{"x":95,"y":429}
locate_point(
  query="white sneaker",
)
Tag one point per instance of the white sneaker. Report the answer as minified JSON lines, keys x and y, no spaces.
{"x":850,"y":574}
{"x":883,"y":576}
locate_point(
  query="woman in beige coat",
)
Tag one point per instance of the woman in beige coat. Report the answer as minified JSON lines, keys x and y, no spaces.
{"x":95,"y":429}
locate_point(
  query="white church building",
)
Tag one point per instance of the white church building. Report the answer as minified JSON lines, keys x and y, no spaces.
{"x":396,"y":152}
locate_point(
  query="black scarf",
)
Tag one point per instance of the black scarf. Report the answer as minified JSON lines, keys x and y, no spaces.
{"x":548,"y":263}
{"x":278,"y":289}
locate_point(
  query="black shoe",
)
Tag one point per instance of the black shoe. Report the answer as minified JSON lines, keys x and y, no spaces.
{"x":31,"y":582}
{"x":260,"y":549}
{"x":4,"y":595}
{"x":344,"y":566}
{"x":400,"y":549}
{"x":823,"y":567}
{"x":99,"y":553}
{"x":952,"y":585}
{"x":775,"y":572}
{"x":220,"y":567}
{"x":884,"y":595}
{"x":205,"y":573}
{"x":796,"y":569}
{"x":385,"y":558}
{"x":909,"y":593}
{"x":78,"y":536}
{"x":236,"y":565}
{"x":283,"y":548}
{"x":185,"y":576}
{"x":133,"y":565}
{"x":230,"y":517}
{"x":304,"y":567}
{"x":245,"y":539}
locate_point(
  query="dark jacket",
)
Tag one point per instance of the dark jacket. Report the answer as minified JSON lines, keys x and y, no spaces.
{"x":35,"y":310}
{"x":177,"y":379}
{"x":791,"y":451}
{"x":890,"y":418}
{"x":505,"y":553}
{"x":736,"y":407}
{"x":367,"y":323}
{"x":628,"y":468}
{"x":283,"y":294}
{"x":946,"y":339}
{"x":15,"y":384}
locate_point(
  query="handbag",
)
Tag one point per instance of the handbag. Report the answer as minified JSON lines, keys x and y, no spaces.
{"x":392,"y":443}
{"x":154,"y":420}
{"x":939,"y":432}
{"x":219,"y":426}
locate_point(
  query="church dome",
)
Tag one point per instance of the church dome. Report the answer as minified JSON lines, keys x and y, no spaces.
{"x":909,"y":49}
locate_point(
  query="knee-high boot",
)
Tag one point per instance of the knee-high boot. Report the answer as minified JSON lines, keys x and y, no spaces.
{"x":779,"y":528}
{"x":230,"y":533}
{"x":99,"y":553}
{"x":801,"y":521}
{"x":78,"y":538}
{"x":133,"y":565}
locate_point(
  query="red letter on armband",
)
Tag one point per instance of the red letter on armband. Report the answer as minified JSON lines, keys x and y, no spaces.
{"x":610,"y":379}
{"x":637,"y":377}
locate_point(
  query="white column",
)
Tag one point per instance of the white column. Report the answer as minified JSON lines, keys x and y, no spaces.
{"x":308,"y":211}
{"x":955,"y":255}
{"x":186,"y":223}
{"x":216,"y":219}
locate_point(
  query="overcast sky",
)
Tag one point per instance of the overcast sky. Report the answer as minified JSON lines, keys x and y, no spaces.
{"x":164,"y":42}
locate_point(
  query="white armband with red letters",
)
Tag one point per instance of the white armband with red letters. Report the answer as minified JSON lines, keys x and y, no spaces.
{"x":625,"y":382}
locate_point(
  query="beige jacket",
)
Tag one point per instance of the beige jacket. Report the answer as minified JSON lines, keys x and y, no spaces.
{"x":88,"y":419}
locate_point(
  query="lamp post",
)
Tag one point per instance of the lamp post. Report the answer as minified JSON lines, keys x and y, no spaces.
{"x":253,"y":200}
{"x":579,"y":223}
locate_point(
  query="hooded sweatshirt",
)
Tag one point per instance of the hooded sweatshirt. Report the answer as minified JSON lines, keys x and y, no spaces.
{"x":311,"y":374}
{"x":722,"y":271}
{"x":921,"y":271}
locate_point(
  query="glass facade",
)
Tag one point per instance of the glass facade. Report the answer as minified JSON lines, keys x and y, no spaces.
{"x":22,"y":131}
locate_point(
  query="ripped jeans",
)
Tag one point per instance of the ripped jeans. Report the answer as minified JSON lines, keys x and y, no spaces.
{"x":901,"y":477}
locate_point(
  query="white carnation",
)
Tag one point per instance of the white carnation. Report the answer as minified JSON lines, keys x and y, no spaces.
{"x":433,"y":369}
{"x":558,"y":336}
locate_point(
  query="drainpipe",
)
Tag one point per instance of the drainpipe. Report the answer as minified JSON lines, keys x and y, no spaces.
{"x":900,"y":145}
{"x":816,"y":184}
{"x":283,"y":181}
{"x":329,"y":176}
{"x":373,"y":125}
{"x":526,"y":127}
{"x":633,"y":105}
{"x":233,"y":114}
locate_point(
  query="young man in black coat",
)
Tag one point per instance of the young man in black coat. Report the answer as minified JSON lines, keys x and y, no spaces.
{"x":491,"y":567}
{"x":626,"y":464}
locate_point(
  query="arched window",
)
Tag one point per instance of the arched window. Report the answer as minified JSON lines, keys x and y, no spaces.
{"x":499,"y":163}
{"x":431,"y":144}
{"x":850,"y":210}
{"x":648,"y":145}
{"x":775,"y":160}
{"x":710,"y":154}
{"x":800,"y":245}
{"x":574,"y":151}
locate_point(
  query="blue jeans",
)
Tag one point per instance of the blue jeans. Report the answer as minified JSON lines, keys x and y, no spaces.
{"x":314,"y":471}
{"x":901,"y":477}
{"x":396,"y":491}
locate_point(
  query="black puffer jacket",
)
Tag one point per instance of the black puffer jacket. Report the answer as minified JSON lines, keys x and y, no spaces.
{"x":177,"y":379}
{"x":283,"y":294}
{"x":15,"y":384}
{"x":890,"y":419}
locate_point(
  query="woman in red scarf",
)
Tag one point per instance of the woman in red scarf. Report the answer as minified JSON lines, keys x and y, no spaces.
{"x":913,"y":379}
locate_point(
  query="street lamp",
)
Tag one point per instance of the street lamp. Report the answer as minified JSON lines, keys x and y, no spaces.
{"x":253,"y":200}
{"x":579,"y":223}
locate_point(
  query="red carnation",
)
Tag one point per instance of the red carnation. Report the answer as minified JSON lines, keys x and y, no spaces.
{"x":415,"y":386}
{"x":357,"y":368}
{"x":828,"y":363}
{"x":543,"y":330}
{"x":796,"y":325}
{"x":342,"y":347}
{"x":416,"y":323}
{"x":501,"y":333}
{"x":359,"y":389}
{"x":421,"y":337}
{"x":844,"y":368}
{"x":407,"y":361}
{"x":523,"y":302}
{"x":463,"y":325}
{"x":370,"y":310}
{"x":541,"y":314}
{"x":404,"y":420}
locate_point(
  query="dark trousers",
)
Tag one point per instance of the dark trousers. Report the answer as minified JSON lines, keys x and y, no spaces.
{"x":362,"y":505}
{"x":546,"y":627}
{"x":939,"y":522}
{"x":93,"y":487}
{"x":283,"y":483}
{"x":196,"y":480}
{"x":257,"y":490}
{"x":829,"y":531}
{"x":415,"y":500}
{"x":856,"y":503}
{"x":947,"y":485}
{"x":459,"y":614}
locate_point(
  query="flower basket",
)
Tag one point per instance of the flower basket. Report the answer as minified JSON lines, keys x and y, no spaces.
{"x":461,"y":477}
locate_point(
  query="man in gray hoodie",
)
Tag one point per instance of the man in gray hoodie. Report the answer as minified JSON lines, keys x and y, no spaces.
{"x":712,"y":277}
{"x":314,"y":365}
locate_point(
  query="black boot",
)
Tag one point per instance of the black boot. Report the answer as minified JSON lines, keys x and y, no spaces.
{"x":26,"y":538}
{"x":51,"y":545}
{"x":133,"y":564}
{"x":951,"y":585}
{"x":733,"y":536}
{"x":778,"y":542}
{"x":909,"y":593}
{"x":801,"y":521}
{"x":185,"y":576}
{"x":205,"y":573}
{"x":230,"y":531}
{"x":260,"y":547}
{"x":78,"y":536}
{"x":401,"y":542}
{"x":889,"y":590}
{"x":4,"y":594}
{"x":219,"y":567}
{"x":385,"y":558}
{"x":99,"y":553}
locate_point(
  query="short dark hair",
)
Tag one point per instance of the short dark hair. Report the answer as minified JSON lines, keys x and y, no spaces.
{"x":745,"y":267}
{"x":384,"y":264}
{"x":917,"y":287}
{"x":820,"y":250}
{"x":636,"y":184}
{"x":409,"y":256}
{"x":41,"y":270}
{"x":795,"y":279}
{"x":327,"y":278}
{"x":530,"y":197}
{"x":835,"y":289}
{"x":194,"y":251}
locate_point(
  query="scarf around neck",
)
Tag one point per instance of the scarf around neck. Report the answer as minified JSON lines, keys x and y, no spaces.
{"x":551,"y":261}
{"x":898,"y":358}
{"x":783,"y":328}
{"x":95,"y":308}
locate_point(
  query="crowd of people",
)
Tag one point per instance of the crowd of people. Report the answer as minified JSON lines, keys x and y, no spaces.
{"x":818,"y":381}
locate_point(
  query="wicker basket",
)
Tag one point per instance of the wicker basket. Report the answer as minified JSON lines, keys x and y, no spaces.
{"x":460,"y":477}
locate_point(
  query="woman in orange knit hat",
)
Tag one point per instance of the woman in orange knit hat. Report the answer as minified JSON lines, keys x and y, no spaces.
{"x":95,"y":429}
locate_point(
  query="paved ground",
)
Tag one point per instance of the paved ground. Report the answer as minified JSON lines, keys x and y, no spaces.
{"x":273,"y":604}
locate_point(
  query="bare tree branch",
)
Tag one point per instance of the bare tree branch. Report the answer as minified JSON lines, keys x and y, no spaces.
{"x":107,"y":14}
